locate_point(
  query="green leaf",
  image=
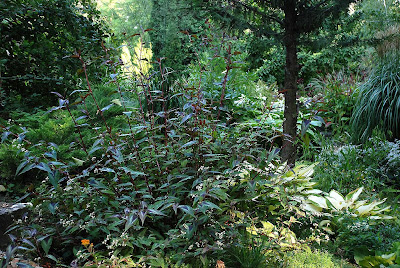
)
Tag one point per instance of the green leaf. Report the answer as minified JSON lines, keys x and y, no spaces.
{"x":5,"y":135}
{"x":187,"y":209}
{"x":54,"y":178}
{"x":24,"y":167}
{"x":187,"y":117}
{"x":156,"y":212}
{"x":107,"y":191}
{"x":208,"y":205}
{"x":117,"y":102}
{"x":190,"y":143}
{"x":142,"y":216}
{"x":51,"y":257}
{"x":132,"y":172}
{"x":312,"y":207}
{"x":97,"y":184}
{"x":46,"y":245}
{"x":130,"y":221}
{"x":43,"y":166}
{"x":107,"y":107}
{"x":78,"y":162}
{"x":52,"y":207}
{"x":24,"y":265}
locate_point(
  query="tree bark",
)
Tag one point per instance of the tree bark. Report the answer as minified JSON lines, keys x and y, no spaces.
{"x":288,"y":153}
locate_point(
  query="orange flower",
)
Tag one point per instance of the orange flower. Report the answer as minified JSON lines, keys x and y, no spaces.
{"x":220,"y":264}
{"x":85,"y":242}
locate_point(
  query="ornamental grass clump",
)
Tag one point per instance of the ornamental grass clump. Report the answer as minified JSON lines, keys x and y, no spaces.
{"x":378,"y":104}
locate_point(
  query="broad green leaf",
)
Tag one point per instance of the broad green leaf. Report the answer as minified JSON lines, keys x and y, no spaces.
{"x":267,"y":227}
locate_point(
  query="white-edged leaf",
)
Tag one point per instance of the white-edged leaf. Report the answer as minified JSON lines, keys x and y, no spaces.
{"x":318,"y":200}
{"x":311,"y":208}
{"x":353,"y":195}
{"x":336,"y":199}
{"x":313,"y":191}
{"x":366,"y":210}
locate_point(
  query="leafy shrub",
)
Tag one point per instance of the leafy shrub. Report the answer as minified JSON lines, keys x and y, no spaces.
{"x":356,"y":233}
{"x":31,"y":72}
{"x":373,"y":164}
{"x":333,"y":100}
{"x":308,"y":259}
{"x":369,"y":258}
{"x":155,"y":186}
{"x":10,"y":158}
{"x":346,"y":167}
{"x":225,"y":80}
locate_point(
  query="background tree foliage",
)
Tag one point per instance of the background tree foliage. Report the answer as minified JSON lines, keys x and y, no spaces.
{"x":36,"y":36}
{"x":169,"y":18}
{"x":287,"y":21}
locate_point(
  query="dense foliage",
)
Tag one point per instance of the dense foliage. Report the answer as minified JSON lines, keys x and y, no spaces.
{"x":36,"y":36}
{"x":175,"y":161}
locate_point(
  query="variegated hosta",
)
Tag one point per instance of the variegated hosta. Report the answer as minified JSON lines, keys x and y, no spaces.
{"x":335,"y":202}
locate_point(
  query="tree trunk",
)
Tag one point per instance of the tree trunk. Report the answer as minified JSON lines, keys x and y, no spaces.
{"x":288,"y":153}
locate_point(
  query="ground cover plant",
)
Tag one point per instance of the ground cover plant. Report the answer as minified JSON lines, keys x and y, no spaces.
{"x":141,"y":164}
